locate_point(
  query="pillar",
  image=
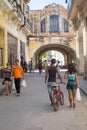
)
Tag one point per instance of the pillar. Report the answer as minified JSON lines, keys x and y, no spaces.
{"x":18,"y":49}
{"x":85,"y":51}
{"x":5,"y":56}
{"x":80,"y":51}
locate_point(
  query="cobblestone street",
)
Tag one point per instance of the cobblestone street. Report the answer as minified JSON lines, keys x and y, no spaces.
{"x":32,"y":110}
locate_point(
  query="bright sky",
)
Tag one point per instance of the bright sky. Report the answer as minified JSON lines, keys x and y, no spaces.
{"x":40,"y":4}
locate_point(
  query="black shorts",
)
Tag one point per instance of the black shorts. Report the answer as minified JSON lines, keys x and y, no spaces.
{"x":7,"y":79}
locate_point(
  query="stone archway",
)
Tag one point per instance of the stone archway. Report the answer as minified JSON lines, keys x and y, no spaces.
{"x":68,"y":52}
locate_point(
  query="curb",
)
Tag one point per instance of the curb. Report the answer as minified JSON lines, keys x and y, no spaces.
{"x":83,"y":91}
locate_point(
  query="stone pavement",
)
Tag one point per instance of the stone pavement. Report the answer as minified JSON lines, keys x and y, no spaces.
{"x":82,"y":82}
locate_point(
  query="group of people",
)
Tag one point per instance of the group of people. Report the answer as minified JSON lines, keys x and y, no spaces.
{"x":72,"y":83}
{"x":50,"y":78}
{"x":17,"y":72}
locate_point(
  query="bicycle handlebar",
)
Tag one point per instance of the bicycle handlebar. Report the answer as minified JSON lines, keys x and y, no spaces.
{"x":61,"y":83}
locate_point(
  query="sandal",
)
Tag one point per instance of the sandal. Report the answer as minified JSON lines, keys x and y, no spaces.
{"x":9,"y":91}
{"x":70,"y":106}
{"x":6,"y":94}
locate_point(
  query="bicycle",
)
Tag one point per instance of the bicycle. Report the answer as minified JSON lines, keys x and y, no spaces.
{"x":57,"y":96}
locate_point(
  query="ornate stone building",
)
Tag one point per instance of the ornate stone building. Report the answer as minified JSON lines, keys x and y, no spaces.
{"x":51,"y":30}
{"x":77,"y":13}
{"x":14,"y":28}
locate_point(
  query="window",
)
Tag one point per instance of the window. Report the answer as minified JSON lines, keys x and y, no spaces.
{"x":66,"y":26}
{"x":54,"y":23}
{"x":43,"y":26}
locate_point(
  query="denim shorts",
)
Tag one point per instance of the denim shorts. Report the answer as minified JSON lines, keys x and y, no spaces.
{"x":7,"y":79}
{"x":50,"y":85}
{"x":71,"y":86}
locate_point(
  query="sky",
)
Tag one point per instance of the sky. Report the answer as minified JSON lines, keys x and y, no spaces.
{"x":40,"y":4}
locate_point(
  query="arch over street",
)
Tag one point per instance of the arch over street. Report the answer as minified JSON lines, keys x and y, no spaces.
{"x":67,"y":51}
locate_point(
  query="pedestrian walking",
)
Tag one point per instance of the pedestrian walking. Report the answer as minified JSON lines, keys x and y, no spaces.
{"x":45,"y":65}
{"x":40,"y":66}
{"x":18,"y":74}
{"x":72,"y":84}
{"x":50,"y":77}
{"x":7,"y":78}
{"x":31,"y":67}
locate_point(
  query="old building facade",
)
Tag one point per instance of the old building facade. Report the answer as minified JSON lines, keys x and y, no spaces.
{"x":14,"y":28}
{"x":51,"y":31}
{"x":78,"y":15}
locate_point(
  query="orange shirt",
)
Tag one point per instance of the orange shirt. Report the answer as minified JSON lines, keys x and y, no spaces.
{"x":17,"y":71}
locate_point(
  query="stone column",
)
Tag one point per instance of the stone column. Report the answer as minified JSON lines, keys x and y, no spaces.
{"x":80,"y":51}
{"x":48,"y":23}
{"x":26,"y":52}
{"x":85,"y":51}
{"x":5,"y":56}
{"x":18,"y":49}
{"x":77,"y":51}
{"x":69,"y":59}
{"x":65,"y":59}
{"x":77,"y":46}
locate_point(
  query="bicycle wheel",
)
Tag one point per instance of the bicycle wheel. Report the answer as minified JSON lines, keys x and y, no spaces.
{"x":55,"y":103}
{"x":61,"y":98}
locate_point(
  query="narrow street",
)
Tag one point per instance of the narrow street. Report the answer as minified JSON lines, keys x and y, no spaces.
{"x":32,"y":110}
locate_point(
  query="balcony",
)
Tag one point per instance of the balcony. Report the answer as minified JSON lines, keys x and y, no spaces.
{"x":16,"y":13}
{"x":26,"y":27}
{"x":74,"y":6}
{"x":18,"y":16}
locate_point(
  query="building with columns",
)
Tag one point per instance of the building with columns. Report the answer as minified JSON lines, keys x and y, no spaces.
{"x":51,"y":30}
{"x":77,"y":13}
{"x":14,"y":29}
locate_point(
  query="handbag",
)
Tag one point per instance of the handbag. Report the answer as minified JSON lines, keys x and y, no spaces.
{"x":78,"y":95}
{"x":23,"y":83}
{"x":13,"y":84}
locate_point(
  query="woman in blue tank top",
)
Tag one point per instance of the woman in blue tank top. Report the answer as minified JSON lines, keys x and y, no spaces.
{"x":72,"y":83}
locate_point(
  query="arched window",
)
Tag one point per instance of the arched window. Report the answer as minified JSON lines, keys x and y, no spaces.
{"x":54,"y":24}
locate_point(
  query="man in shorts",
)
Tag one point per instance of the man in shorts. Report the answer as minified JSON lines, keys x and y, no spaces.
{"x":50,"y":77}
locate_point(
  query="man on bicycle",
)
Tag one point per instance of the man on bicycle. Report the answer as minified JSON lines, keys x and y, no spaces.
{"x":50,"y":77}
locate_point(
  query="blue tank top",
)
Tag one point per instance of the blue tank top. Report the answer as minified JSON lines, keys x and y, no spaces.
{"x":71,"y":80}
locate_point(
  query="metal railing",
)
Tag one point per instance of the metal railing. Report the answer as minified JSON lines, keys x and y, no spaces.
{"x":17,"y":8}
